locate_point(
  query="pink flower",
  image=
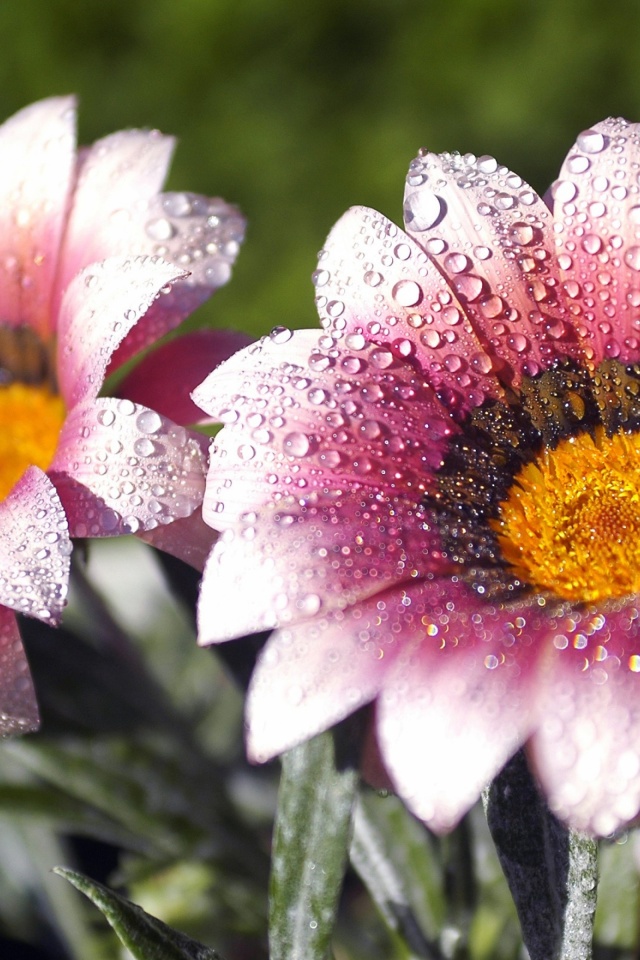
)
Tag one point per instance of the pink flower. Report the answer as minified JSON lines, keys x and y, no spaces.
{"x":95,"y":264}
{"x":436,"y":503}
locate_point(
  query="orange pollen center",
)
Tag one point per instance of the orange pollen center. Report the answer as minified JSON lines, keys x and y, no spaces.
{"x":30,"y":422}
{"x":571,"y":521}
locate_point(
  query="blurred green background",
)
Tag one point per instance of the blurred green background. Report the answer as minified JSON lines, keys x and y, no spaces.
{"x":297,"y":111}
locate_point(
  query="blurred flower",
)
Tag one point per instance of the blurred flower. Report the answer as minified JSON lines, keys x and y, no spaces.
{"x":437,"y":502}
{"x":95,"y":264}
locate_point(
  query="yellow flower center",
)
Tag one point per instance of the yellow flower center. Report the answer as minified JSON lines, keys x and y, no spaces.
{"x":30,"y":422}
{"x":571,"y":521}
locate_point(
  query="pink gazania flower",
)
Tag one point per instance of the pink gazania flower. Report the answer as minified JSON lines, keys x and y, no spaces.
{"x":436,"y":503}
{"x":95,"y":264}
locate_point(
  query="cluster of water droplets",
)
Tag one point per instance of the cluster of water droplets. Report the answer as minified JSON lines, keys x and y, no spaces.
{"x":354,"y":414}
{"x":596,"y":203}
{"x":490,"y":234}
{"x":375,"y":281}
{"x":131,"y":469}
{"x":36,"y":548}
{"x":199,"y":234}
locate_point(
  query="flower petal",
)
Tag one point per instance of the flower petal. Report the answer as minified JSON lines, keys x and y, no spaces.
{"x":596,"y":206}
{"x":37,"y":146}
{"x":314,"y":674}
{"x":34,"y":548}
{"x":459,"y":700}
{"x":117,"y":177}
{"x":490,"y":234}
{"x":120,"y":468}
{"x":18,"y":706}
{"x":201,"y":236}
{"x":586,"y":750}
{"x":99,"y":307}
{"x":374,"y":281}
{"x":188,"y":538}
{"x":165,"y":378}
{"x":299,"y":419}
{"x":298,"y":558}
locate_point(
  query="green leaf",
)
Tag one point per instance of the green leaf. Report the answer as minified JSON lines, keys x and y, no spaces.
{"x":398,"y":862}
{"x":145,"y":937}
{"x":551,"y":871}
{"x":311,"y":840}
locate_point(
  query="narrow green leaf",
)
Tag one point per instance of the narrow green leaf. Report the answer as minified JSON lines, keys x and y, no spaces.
{"x":551,"y":871}
{"x":145,"y":937}
{"x":311,"y":840}
{"x":397,"y":863}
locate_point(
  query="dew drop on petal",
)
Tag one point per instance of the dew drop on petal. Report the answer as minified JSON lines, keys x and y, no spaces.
{"x":296,"y":444}
{"x":407,"y":293}
{"x":590,"y":141}
{"x":632,"y":258}
{"x":423,"y":210}
{"x":148,"y":421}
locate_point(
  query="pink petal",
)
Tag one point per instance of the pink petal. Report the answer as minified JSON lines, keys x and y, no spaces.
{"x":490,"y":234}
{"x":117,"y":176}
{"x":165,"y":378}
{"x":597,"y":220}
{"x":201,"y":236}
{"x":586,"y":750}
{"x":459,"y":700}
{"x":99,"y":307}
{"x":37,"y":147}
{"x":18,"y":706}
{"x":34,"y":548}
{"x":301,"y":557}
{"x":120,"y":468}
{"x":374,"y":281}
{"x":188,"y":538}
{"x":314,"y":674}
{"x":299,"y":420}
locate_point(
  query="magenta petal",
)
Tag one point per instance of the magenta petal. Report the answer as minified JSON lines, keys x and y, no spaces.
{"x":188,"y":538}
{"x":99,"y":307}
{"x":117,"y":177}
{"x":586,"y":750}
{"x":200,"y":235}
{"x":122,"y":468}
{"x":34,"y":548}
{"x":299,"y":420}
{"x":298,"y":558}
{"x":18,"y":706}
{"x":375,"y":282}
{"x":491,"y":236}
{"x":597,"y":217}
{"x":165,"y":378}
{"x":458,"y":701}
{"x":37,"y":147}
{"x":314,"y":674}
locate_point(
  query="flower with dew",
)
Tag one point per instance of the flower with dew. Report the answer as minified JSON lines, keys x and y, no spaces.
{"x":436,"y":502}
{"x":95,"y":264}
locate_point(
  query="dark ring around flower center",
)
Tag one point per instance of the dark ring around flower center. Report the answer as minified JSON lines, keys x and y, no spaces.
{"x":499,"y":438}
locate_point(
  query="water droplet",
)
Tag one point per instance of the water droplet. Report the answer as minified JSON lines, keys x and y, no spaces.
{"x":591,"y":243}
{"x":280,"y":334}
{"x":372,"y":278}
{"x":106,"y":417}
{"x":468,"y":286}
{"x":423,"y":209}
{"x":160,"y":229}
{"x":590,"y":141}
{"x":487,"y":164}
{"x":456,"y":262}
{"x":148,"y":421}
{"x":578,"y":164}
{"x":407,"y":293}
{"x":632,"y":258}
{"x":564,"y":191}
{"x":296,"y":444}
